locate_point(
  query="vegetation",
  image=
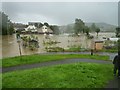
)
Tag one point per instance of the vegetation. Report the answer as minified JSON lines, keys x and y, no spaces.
{"x":111,"y":46}
{"x":79,"y":26}
{"x":86,"y":30}
{"x":118,"y":45}
{"x":38,"y":25}
{"x":94,"y":28}
{"x":50,"y":42}
{"x":109,"y":50}
{"x":46,"y":24}
{"x":30,"y":41}
{"x":55,"y":29}
{"x":50,"y":46}
{"x":73,"y":48}
{"x":97,"y":30}
{"x":7,"y":26}
{"x":54,"y":49}
{"x":30,"y":59}
{"x":118,"y":32}
{"x":77,"y":75}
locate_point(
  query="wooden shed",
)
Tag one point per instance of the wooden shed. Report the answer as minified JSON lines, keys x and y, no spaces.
{"x":98,"y":45}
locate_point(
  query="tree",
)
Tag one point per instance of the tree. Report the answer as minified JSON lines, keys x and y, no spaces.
{"x":55,"y":29}
{"x":11,"y":28}
{"x":93,"y":27}
{"x":86,"y":30}
{"x":78,"y":26}
{"x":119,"y":45}
{"x":0,"y":23}
{"x":97,"y":30}
{"x":46,"y":24}
{"x":69,"y":29}
{"x":118,"y":32}
{"x":7,"y":26}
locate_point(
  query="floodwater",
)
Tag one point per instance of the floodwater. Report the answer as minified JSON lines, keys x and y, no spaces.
{"x":10,"y":47}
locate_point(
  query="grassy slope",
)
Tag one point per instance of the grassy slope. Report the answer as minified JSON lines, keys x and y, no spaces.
{"x":78,"y":75}
{"x":7,"y":62}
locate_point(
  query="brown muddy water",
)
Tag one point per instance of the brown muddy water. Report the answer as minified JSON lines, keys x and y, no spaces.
{"x":9,"y":46}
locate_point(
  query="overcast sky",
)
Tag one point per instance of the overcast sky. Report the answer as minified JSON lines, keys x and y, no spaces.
{"x":61,"y":13}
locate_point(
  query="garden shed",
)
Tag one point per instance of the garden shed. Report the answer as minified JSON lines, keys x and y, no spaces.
{"x":98,"y":45}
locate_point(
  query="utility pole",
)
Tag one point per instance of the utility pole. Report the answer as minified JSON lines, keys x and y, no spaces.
{"x":19,"y":47}
{"x":19,"y":41}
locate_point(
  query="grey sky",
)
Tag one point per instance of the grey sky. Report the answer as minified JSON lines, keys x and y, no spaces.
{"x":62,"y":12}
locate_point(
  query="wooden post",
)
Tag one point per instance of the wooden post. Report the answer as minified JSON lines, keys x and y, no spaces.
{"x":91,"y":51}
{"x":19,"y":47}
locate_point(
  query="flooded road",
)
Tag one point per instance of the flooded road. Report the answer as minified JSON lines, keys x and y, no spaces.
{"x":9,"y":45}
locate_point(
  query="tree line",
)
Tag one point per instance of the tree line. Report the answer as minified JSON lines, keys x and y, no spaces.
{"x":6,"y":24}
{"x":79,"y":27}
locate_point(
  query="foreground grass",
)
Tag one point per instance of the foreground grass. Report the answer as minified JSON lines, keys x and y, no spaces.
{"x":30,"y":59}
{"x":77,"y":75}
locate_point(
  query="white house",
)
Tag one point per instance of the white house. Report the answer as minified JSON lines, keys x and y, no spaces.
{"x":31,"y":28}
{"x":44,"y":29}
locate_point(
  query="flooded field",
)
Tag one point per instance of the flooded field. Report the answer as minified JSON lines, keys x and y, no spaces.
{"x":10,"y":48}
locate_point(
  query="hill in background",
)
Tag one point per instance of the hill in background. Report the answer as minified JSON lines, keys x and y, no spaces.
{"x":104,"y":27}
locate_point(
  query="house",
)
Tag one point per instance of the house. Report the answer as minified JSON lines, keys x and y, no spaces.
{"x":19,"y":27}
{"x":98,"y":45}
{"x":44,"y":30}
{"x":31,"y":28}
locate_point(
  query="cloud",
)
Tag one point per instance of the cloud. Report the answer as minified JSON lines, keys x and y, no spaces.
{"x":62,"y":12}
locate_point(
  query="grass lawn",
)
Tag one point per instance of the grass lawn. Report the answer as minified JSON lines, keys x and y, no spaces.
{"x":29,"y":59}
{"x":77,"y":75}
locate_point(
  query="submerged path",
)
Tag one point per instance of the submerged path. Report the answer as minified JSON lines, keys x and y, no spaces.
{"x":50,"y":63}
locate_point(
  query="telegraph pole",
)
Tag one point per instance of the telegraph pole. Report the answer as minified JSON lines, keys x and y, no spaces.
{"x":19,"y":41}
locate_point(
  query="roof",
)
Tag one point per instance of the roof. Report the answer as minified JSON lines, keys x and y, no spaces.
{"x":98,"y":41}
{"x":31,"y":27}
{"x":41,"y":29}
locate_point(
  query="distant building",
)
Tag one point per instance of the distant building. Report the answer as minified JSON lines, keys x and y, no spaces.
{"x":31,"y":28}
{"x":19,"y":27}
{"x":44,"y":29}
{"x":36,"y":24}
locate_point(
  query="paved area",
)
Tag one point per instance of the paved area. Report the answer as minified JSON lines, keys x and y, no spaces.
{"x":50,"y":63}
{"x":115,"y":83}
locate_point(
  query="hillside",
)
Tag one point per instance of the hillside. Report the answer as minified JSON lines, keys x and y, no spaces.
{"x":103,"y":26}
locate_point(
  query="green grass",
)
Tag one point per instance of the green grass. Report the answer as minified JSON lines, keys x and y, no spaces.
{"x":73,"y":49}
{"x":109,"y":50}
{"x":77,"y":75}
{"x":30,"y":59}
